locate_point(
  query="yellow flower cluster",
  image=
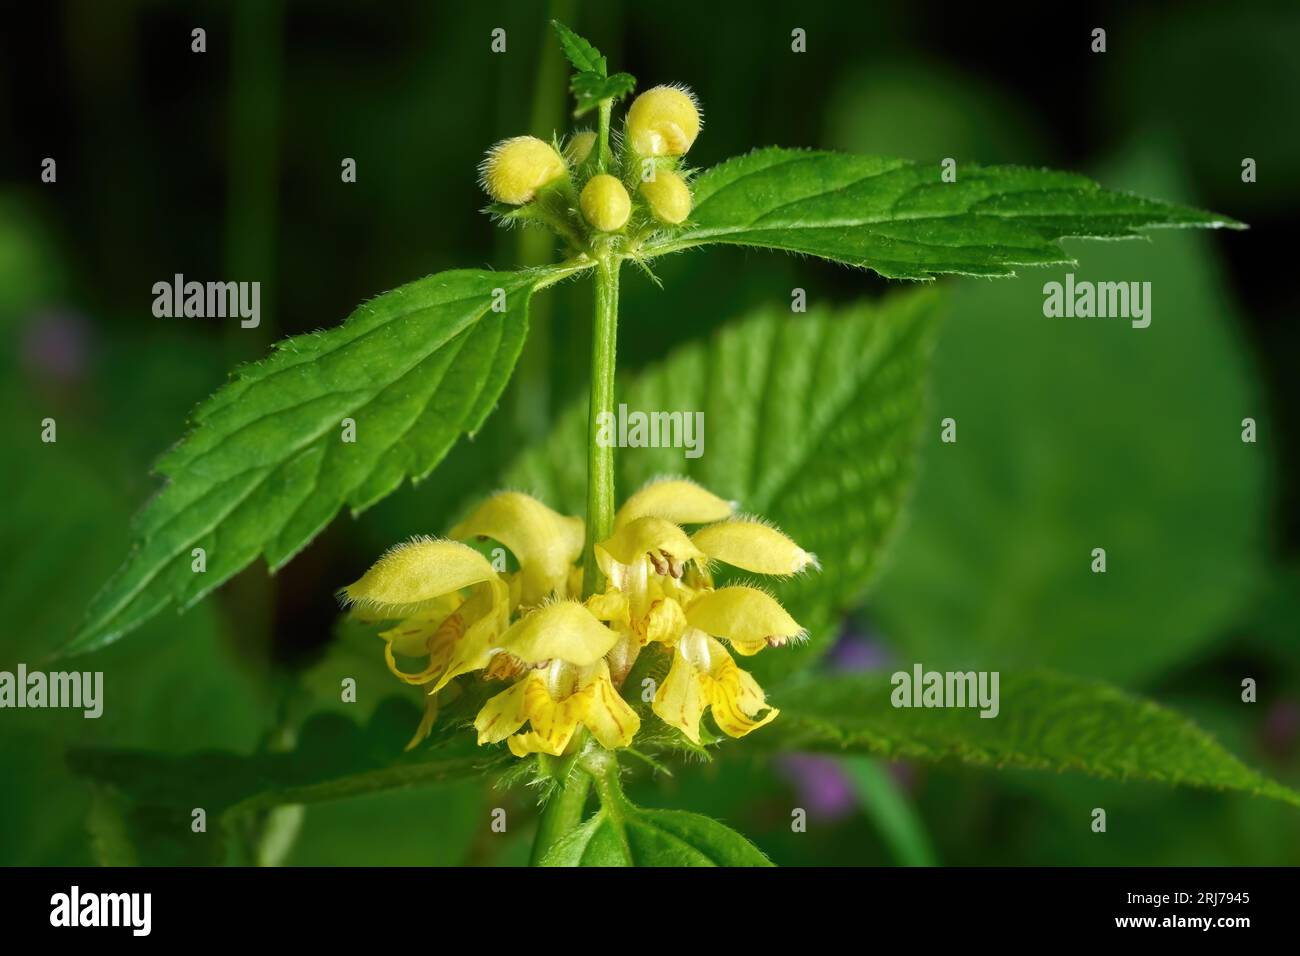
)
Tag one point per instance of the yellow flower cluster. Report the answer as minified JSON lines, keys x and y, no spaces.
{"x":567,"y":658}
{"x":660,"y":127}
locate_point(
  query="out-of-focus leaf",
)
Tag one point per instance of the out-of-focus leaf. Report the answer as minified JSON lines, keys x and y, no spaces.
{"x":1075,"y":434}
{"x":900,"y":219}
{"x":64,"y":512}
{"x":31,"y":273}
{"x":1045,"y":722}
{"x":890,"y":810}
{"x":930,"y":109}
{"x":334,"y":758}
{"x":810,"y":421}
{"x":1145,"y":93}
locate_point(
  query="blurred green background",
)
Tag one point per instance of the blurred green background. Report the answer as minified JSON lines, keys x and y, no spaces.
{"x":227,"y":165}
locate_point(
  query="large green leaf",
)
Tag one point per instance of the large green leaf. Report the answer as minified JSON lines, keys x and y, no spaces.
{"x":900,"y":219}
{"x":810,"y":420}
{"x":1044,"y":722}
{"x":266,"y":467}
{"x":1075,"y":434}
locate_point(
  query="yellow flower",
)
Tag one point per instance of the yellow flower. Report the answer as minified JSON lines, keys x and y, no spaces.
{"x":605,"y":203}
{"x":668,"y":197}
{"x":663,"y":121}
{"x":566,"y":659}
{"x":451,"y":604}
{"x":704,"y":675}
{"x":515,"y":169}
{"x":661,"y":591}
{"x":568,"y":684}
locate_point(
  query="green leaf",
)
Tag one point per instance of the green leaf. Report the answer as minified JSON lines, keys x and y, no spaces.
{"x":654,"y":838}
{"x":810,"y":421}
{"x":623,"y":834}
{"x":592,"y":83}
{"x":584,"y":57}
{"x":590,"y":89}
{"x":1045,"y":722}
{"x":1075,"y":434}
{"x":265,"y":467}
{"x":334,"y":758}
{"x":901,"y":220}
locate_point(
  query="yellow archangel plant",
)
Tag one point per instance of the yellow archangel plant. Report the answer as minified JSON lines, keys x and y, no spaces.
{"x":565,"y":659}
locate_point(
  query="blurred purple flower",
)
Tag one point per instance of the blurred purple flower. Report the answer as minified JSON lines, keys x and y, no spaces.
{"x":55,"y":346}
{"x":857,"y":649}
{"x":823,"y":789}
{"x":1282,"y":727}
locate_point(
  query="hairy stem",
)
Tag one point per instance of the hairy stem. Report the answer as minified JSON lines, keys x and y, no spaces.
{"x":562,"y":813}
{"x":604,"y":157}
{"x":600,"y":460}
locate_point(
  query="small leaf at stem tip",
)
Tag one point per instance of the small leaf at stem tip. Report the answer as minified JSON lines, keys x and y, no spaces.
{"x":580,"y":52}
{"x":590,"y":89}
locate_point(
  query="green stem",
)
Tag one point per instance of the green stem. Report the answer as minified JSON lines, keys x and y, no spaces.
{"x":603,"y":767}
{"x":604,"y":157}
{"x":600,"y":460}
{"x":562,"y":813}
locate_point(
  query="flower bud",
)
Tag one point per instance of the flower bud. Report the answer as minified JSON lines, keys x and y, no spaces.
{"x":515,"y":169}
{"x":605,"y":203}
{"x":668,"y":197}
{"x":579,"y":147}
{"x":663,"y":121}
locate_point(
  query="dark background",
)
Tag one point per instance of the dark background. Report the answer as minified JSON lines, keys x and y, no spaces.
{"x":226,"y":165}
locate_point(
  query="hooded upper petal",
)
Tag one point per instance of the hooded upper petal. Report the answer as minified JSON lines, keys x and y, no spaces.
{"x":678,"y":500}
{"x":745,"y":616}
{"x":416,"y":572}
{"x":753,"y":546}
{"x":565,"y":631}
{"x":648,"y":535}
{"x":545,"y":542}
